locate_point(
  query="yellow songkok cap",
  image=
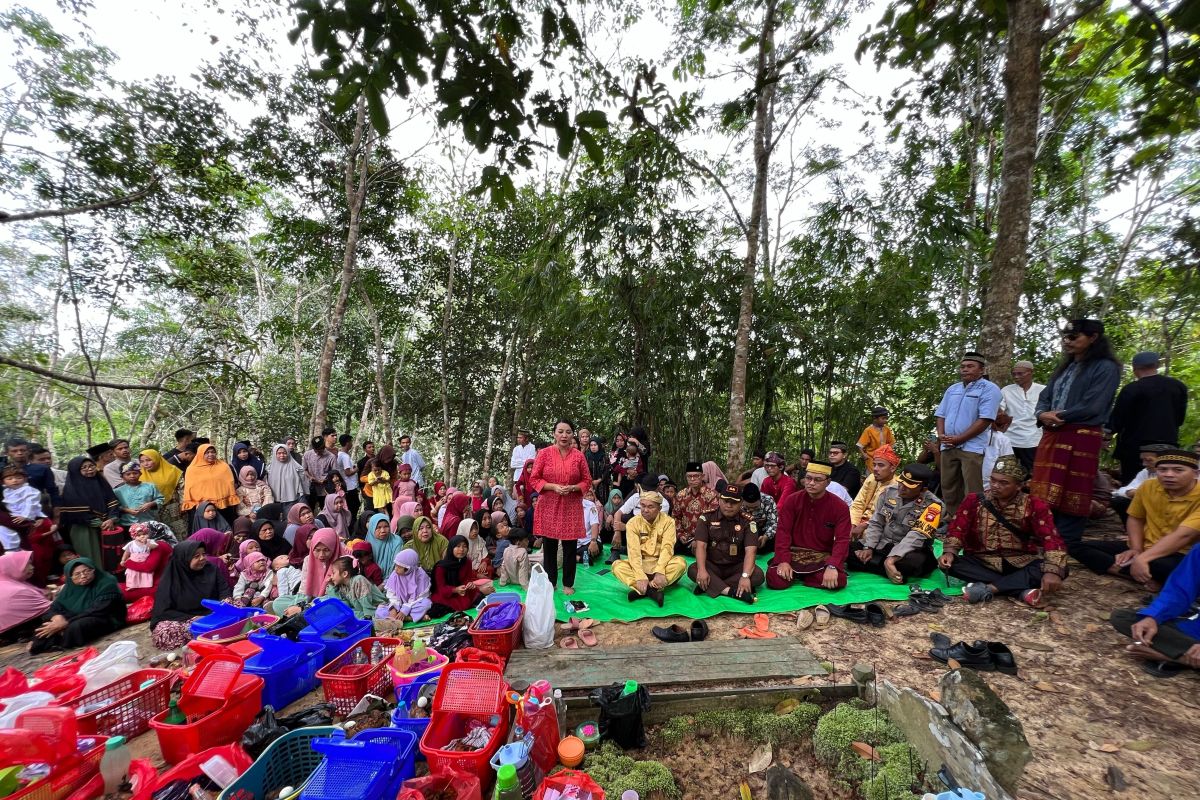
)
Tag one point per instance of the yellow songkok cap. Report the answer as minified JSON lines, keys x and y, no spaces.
{"x":819,"y":468}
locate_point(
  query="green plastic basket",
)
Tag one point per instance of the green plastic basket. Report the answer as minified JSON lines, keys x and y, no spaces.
{"x":290,"y":760}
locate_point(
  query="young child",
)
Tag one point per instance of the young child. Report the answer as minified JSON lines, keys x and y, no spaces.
{"x":502,"y":531}
{"x":405,"y":488}
{"x":256,"y":581}
{"x":515,"y":562}
{"x":353,"y":589}
{"x":252,"y":493}
{"x":139,"y":502}
{"x":477,"y":549}
{"x":381,"y":485}
{"x":366,"y":562}
{"x":592,"y":514}
{"x":407,"y":594}
{"x":24,"y":503}
{"x":138,"y":549}
{"x":287,"y":577}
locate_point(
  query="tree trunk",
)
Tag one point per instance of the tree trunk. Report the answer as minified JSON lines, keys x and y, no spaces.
{"x":362,"y":423}
{"x":445,"y":387}
{"x":762,"y":160}
{"x":357,"y":161}
{"x":500,"y":381}
{"x":297,"y":350}
{"x":385,"y":411}
{"x":1022,"y":107}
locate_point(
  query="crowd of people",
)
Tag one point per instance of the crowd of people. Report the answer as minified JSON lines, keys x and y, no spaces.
{"x":1006,"y":486}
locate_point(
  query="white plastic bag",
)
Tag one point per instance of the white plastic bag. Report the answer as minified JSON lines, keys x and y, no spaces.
{"x":13,"y":706}
{"x":538,"y":628}
{"x":118,"y":660}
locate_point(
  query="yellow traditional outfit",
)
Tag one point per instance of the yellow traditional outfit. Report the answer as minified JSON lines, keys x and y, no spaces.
{"x":651,"y":548}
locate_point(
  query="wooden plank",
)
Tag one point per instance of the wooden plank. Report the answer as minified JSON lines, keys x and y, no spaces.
{"x":683,"y":663}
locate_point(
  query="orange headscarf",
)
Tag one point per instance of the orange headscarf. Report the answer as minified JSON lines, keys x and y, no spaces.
{"x":208,"y":482}
{"x":886,"y":453}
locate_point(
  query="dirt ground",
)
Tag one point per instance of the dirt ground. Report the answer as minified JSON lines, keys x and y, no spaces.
{"x":1077,"y":694}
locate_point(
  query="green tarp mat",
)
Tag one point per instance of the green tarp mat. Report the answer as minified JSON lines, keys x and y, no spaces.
{"x":608,"y":598}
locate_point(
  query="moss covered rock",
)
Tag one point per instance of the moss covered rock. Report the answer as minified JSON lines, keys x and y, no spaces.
{"x":753,"y":726}
{"x":616,"y":772}
{"x":845,"y":724}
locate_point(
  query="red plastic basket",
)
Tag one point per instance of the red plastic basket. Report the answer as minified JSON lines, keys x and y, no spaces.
{"x":222,"y":726}
{"x":129,"y":707}
{"x":212,"y":683}
{"x":345,"y":683}
{"x":466,"y":692}
{"x":67,"y":776}
{"x":502,"y":641}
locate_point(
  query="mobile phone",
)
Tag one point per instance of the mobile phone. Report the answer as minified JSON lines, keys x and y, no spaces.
{"x":579,"y":606}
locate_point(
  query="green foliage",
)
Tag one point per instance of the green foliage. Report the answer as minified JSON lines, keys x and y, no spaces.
{"x":754,"y":726}
{"x":617,"y":773}
{"x":845,"y":724}
{"x":897,"y":777}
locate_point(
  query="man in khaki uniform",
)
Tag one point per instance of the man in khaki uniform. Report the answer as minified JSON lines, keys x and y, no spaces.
{"x":726,"y":544}
{"x":651,"y":565}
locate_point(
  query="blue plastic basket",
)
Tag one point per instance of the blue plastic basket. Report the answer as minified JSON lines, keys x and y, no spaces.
{"x":332,"y":622}
{"x":373,"y":764}
{"x":288,"y":669}
{"x":496,"y":598}
{"x":401,"y":720}
{"x":222,"y":614}
{"x":287,"y":761}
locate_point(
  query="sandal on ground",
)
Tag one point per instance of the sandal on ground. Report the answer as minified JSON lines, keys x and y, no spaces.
{"x":875,"y":616}
{"x":577,"y":624}
{"x":821,"y":617}
{"x":804,"y":619}
{"x":588,"y":638}
{"x":760,"y":630}
{"x":569,"y":643}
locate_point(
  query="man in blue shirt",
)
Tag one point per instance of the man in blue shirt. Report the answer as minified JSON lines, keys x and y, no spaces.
{"x":1166,"y":633}
{"x":967,"y":410}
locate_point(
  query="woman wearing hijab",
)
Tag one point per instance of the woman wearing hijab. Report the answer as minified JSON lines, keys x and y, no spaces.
{"x":712,"y":474}
{"x":209,"y":480}
{"x":336,"y":515}
{"x":509,"y":505}
{"x":386,"y":461}
{"x":477,"y":551}
{"x":270,"y":539}
{"x":599,"y":466}
{"x":216,"y":549}
{"x":384,"y":543}
{"x":23,"y":603}
{"x":456,"y":587}
{"x":299,"y":550}
{"x":297,"y":515}
{"x":88,"y":606}
{"x":168,"y":478}
{"x":410,"y":508}
{"x":407,"y":587}
{"x":188,"y":579}
{"x":272,"y":511}
{"x":242,"y":457}
{"x":456,"y":508}
{"x":285,"y":476}
{"x":429,"y":545}
{"x":324,"y":548}
{"x":88,"y":506}
{"x":207,"y":515}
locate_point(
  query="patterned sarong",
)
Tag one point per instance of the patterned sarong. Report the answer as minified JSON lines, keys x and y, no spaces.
{"x":1065,"y":466}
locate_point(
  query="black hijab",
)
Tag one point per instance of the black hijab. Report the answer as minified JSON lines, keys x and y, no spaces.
{"x":275,"y":546}
{"x":218,"y":523}
{"x":85,"y":500}
{"x":271,"y":511}
{"x":451,"y":565}
{"x":181,"y":588}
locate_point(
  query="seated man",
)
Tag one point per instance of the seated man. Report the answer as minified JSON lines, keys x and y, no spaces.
{"x":813,"y":538}
{"x":762,"y":509}
{"x":1008,"y":541}
{"x":883,"y":475}
{"x":726,"y":544}
{"x":898,"y":541}
{"x":776,"y":484}
{"x":1166,"y":633}
{"x":1163,"y":521}
{"x":652,"y":565}
{"x":628,"y":508}
{"x":695,"y":499}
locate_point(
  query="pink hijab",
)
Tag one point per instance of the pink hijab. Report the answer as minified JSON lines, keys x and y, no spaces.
{"x":314,"y":574}
{"x":22,"y":600}
{"x":409,"y":508}
{"x":712,"y":474}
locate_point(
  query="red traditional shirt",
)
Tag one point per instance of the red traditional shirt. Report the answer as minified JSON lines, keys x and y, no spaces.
{"x":687,"y":508}
{"x":977,"y":532}
{"x":778,"y":488}
{"x":559,"y":516}
{"x":812,"y":534}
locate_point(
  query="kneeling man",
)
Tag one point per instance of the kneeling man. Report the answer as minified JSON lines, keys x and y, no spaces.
{"x":726,"y":544}
{"x":813,"y":538}
{"x":651,"y":565}
{"x":898,"y":541}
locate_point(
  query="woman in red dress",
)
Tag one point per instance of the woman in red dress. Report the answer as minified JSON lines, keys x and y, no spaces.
{"x":560,"y":477}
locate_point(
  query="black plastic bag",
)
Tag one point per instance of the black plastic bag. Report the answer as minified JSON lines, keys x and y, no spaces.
{"x":288,"y":627}
{"x":264,"y":730}
{"x":452,"y":635}
{"x":320,"y":714}
{"x":621,"y":714}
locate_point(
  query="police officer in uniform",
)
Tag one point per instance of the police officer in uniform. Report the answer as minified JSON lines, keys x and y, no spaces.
{"x":726,"y":543}
{"x":898,"y":541}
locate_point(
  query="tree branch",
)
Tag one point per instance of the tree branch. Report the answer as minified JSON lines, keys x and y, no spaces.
{"x":1162,"y":34}
{"x":81,"y":380}
{"x":1065,"y":22}
{"x":111,"y":202}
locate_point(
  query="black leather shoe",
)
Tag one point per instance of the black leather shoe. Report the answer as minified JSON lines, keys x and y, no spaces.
{"x":633,"y":595}
{"x":848,"y":612}
{"x":1002,"y":657}
{"x":656,"y":595}
{"x":699,"y":630}
{"x":875,"y":615}
{"x":967,"y":655}
{"x":671,"y":635}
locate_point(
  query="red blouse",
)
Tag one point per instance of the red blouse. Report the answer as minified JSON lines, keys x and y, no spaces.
{"x":446,"y":595}
{"x":559,"y":516}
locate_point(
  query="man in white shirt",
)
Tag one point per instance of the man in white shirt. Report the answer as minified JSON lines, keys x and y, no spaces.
{"x":349,"y":471}
{"x":760,"y":468}
{"x":411,"y":457}
{"x":1020,"y":401}
{"x":1148,"y":451}
{"x":524,"y":451}
{"x":998,"y":444}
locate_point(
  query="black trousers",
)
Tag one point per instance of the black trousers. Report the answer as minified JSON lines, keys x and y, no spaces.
{"x":1025,"y":456}
{"x":1169,"y":640}
{"x":78,"y":632}
{"x":915,"y":564}
{"x":687,"y":550}
{"x":1099,"y":556}
{"x":550,"y":559}
{"x":1120,"y":504}
{"x":727,"y":576}
{"x":1131,"y":465}
{"x":1012,"y":581}
{"x":353,"y":503}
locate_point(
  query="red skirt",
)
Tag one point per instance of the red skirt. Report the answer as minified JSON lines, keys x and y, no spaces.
{"x":1065,"y":467}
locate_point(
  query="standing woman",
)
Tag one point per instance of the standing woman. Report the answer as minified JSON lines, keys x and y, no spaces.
{"x":598,"y":465}
{"x":167,"y":477}
{"x":88,"y":507}
{"x":89,"y":605}
{"x":189,"y":579}
{"x":1072,"y":411}
{"x":285,"y":476}
{"x":242,"y":457}
{"x":560,"y":477}
{"x":209,"y":479}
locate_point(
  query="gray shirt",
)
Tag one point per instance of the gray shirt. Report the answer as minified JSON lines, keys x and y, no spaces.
{"x":894,"y":522}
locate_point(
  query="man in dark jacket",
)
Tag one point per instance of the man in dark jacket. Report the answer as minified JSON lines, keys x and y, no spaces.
{"x":1150,"y":409}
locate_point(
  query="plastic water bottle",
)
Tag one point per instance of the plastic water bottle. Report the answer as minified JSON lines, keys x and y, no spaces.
{"x":587,"y":556}
{"x":631,"y":686}
{"x":508,"y":787}
{"x":114,"y":765}
{"x":560,"y":710}
{"x":377,"y":652}
{"x":359,"y":656}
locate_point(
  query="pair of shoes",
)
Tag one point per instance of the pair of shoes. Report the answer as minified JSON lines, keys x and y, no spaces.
{"x":980,"y":655}
{"x":585,"y":637}
{"x":676,"y":633}
{"x":870,"y":614}
{"x":818,"y":618}
{"x":760,"y":630}
{"x":976,"y":593}
{"x":577,"y":624}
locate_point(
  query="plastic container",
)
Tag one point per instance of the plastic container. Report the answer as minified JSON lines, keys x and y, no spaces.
{"x":222,"y":726}
{"x":69,"y":775}
{"x":190,"y":768}
{"x":114,"y":764}
{"x":588,"y":733}
{"x":516,"y":755}
{"x":496,"y":598}
{"x":128,"y":706}
{"x":210,"y":684}
{"x":428,"y":671}
{"x":288,"y":761}
{"x":233,"y":632}
{"x":466,"y":692}
{"x":332,"y":623}
{"x":222,"y":615}
{"x":570,"y":752}
{"x":373,"y":764}
{"x":502,"y":641}
{"x":345,"y":683}
{"x":507,"y":785}
{"x":74,"y":761}
{"x":288,"y":669}
{"x":407,"y":698}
